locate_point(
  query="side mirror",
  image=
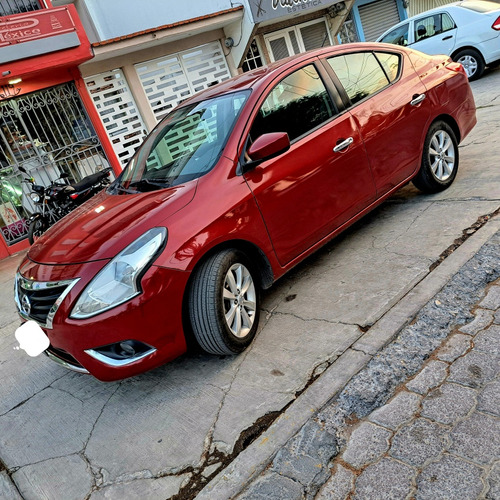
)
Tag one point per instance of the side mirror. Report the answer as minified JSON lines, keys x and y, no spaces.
{"x":22,"y":169}
{"x":268,"y":146}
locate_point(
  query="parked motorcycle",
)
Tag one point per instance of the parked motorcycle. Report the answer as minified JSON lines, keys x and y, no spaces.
{"x":58,"y":199}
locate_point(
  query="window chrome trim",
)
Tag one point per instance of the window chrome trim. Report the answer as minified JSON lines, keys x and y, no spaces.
{"x":116,"y":363}
{"x":27,"y":284}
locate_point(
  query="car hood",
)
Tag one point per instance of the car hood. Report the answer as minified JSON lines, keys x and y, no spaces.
{"x":106,"y":224}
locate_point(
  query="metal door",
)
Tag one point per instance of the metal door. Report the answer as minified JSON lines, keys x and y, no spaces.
{"x":48,"y":133}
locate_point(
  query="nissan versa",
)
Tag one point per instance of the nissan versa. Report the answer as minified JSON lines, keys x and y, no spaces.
{"x":231,"y":190}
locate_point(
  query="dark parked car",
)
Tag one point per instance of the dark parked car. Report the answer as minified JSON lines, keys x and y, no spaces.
{"x":230,"y":191}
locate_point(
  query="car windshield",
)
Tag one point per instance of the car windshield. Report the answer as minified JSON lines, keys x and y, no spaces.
{"x":482,"y":6}
{"x":184,"y":146}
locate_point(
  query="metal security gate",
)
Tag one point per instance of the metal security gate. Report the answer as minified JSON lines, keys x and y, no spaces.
{"x":377,"y":17}
{"x":119,"y":114}
{"x":48,"y":133}
{"x":169,"y":80}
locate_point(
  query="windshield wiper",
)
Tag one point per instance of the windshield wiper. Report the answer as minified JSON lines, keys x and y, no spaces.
{"x":119,"y":187}
{"x":149,"y":182}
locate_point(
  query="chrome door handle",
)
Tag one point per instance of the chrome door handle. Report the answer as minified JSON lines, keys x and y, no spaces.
{"x":343,"y":145}
{"x":417,"y":99}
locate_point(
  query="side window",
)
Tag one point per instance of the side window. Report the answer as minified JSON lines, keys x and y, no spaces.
{"x":390,"y":63}
{"x":432,"y":25}
{"x":398,"y":36}
{"x":447,"y":22}
{"x":360,"y":73}
{"x":296,"y":105}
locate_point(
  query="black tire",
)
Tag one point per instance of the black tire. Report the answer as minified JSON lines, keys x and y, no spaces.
{"x":472,"y":61}
{"x":36,"y":228}
{"x":213,"y":295}
{"x":440,"y":159}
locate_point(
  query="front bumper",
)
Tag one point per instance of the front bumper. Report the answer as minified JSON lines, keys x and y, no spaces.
{"x":152,"y":319}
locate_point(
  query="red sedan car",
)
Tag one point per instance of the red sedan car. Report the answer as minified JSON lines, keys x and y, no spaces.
{"x":230,"y":191}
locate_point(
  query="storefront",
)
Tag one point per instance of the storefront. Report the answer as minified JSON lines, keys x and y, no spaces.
{"x":135,"y":80}
{"x":47,"y":124}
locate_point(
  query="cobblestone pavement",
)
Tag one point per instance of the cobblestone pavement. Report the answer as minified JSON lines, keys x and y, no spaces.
{"x":427,"y":425}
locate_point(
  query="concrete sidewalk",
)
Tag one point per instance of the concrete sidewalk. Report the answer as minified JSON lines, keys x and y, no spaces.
{"x":421,"y":420}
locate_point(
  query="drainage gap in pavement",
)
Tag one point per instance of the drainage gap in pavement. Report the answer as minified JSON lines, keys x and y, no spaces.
{"x":466,"y":234}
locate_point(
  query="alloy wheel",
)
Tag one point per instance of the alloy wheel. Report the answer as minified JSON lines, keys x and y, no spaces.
{"x":239,"y":299}
{"x":442,"y":155}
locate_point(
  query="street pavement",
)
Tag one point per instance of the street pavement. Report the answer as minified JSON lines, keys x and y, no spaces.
{"x":438,"y":434}
{"x":333,"y":347}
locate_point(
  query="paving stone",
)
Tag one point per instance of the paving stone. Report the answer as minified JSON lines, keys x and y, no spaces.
{"x":431,"y":376}
{"x":494,"y":483}
{"x":483,"y":318}
{"x":338,"y":486}
{"x":455,"y":346}
{"x":477,"y":438}
{"x":307,"y":455}
{"x":450,"y":478}
{"x":45,"y":480}
{"x":492,"y":299}
{"x":496,"y":317}
{"x":367,"y":444}
{"x":272,"y":486}
{"x":489,"y":398}
{"x":386,"y":480}
{"x":448,"y":402}
{"x":400,"y":410}
{"x":488,"y":340}
{"x":475,"y":369}
{"x":7,"y":488}
{"x":418,"y":442}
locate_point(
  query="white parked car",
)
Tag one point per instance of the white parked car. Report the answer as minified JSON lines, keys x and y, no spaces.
{"x":468,"y":31}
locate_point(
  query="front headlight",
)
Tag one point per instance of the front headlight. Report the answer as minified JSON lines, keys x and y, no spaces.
{"x":119,"y":280}
{"x":35,"y":197}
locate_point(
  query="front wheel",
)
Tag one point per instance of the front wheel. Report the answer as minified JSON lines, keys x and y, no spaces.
{"x":36,"y":228}
{"x":472,"y":61}
{"x":224,"y":303}
{"x":439,"y":159}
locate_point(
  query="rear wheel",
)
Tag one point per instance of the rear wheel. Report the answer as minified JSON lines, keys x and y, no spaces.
{"x":224,"y":303}
{"x":472,"y":61}
{"x":36,"y":228}
{"x":439,"y":159}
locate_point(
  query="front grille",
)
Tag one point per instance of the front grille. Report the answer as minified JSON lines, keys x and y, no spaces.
{"x":39,"y":300}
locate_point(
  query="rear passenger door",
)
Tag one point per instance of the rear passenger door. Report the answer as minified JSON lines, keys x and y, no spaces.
{"x":389,"y":105}
{"x":434,"y":34}
{"x":323,"y":179}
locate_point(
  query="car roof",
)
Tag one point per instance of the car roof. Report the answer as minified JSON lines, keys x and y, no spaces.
{"x":261,"y":76}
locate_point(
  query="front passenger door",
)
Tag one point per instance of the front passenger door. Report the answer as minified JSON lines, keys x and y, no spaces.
{"x":323,"y":180}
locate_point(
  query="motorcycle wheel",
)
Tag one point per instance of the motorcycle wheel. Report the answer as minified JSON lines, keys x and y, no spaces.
{"x":36,"y":228}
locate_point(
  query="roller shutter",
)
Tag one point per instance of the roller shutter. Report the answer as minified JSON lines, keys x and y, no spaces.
{"x":377,"y":17}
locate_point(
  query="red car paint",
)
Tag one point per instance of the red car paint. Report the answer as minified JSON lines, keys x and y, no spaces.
{"x":282,"y":210}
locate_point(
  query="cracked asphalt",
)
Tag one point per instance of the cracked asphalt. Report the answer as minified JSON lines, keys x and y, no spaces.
{"x":205,"y":425}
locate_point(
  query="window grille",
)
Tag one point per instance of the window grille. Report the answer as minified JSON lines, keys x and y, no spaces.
{"x":9,"y":7}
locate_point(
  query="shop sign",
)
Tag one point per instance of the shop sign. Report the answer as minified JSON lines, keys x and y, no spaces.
{"x":35,"y":25}
{"x":264,"y":10}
